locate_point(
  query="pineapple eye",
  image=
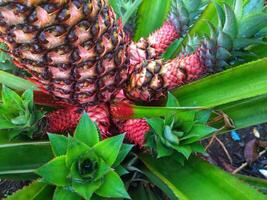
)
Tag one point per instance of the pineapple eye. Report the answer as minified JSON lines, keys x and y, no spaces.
{"x":95,"y":29}
{"x":42,"y":38}
{"x":49,"y":7}
{"x":20,"y":9}
{"x":78,"y":3}
{"x":33,"y":17}
{"x":64,"y":15}
{"x":72,"y":37}
{"x":100,"y":48}
{"x":36,"y":48}
{"x":87,"y":9}
{"x":76,"y":55}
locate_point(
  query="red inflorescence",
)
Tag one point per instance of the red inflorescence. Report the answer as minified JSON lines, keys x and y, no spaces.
{"x":135,"y":130}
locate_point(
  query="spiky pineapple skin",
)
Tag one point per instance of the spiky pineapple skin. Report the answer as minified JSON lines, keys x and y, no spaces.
{"x":151,"y":80}
{"x":135,"y":130}
{"x":154,"y":45}
{"x":75,"y":50}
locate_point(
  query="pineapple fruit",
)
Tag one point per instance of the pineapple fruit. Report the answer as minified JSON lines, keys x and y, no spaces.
{"x":77,"y":52}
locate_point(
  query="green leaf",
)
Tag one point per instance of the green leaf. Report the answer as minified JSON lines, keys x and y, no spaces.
{"x":157,"y":124}
{"x":112,"y":187}
{"x":203,"y":116}
{"x":150,"y":111}
{"x":34,"y":191}
{"x":163,"y":151}
{"x":65,"y":194}
{"x":15,"y":82}
{"x":86,"y":190}
{"x":59,"y":144}
{"x":198,"y":148}
{"x":125,"y":8}
{"x":4,"y":124}
{"x":199,"y":179}
{"x":27,"y":96}
{"x":257,"y":183}
{"x":201,"y":27}
{"x":75,"y":150}
{"x":248,"y":27}
{"x":20,"y":120}
{"x":151,"y":17}
{"x":235,"y":84}
{"x":55,"y":172}
{"x":170,"y":137}
{"x":199,"y":131}
{"x":20,"y":159}
{"x":14,"y":133}
{"x":11,"y":99}
{"x":186,"y":150}
{"x":230,"y":26}
{"x":86,"y":131}
{"x":109,"y":149}
{"x":46,"y":193}
{"x":246,"y":113}
{"x":172,"y":101}
{"x":124,"y":151}
{"x":121,"y":170}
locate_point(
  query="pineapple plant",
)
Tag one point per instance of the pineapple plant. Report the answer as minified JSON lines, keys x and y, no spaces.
{"x":77,"y":52}
{"x":82,"y":62}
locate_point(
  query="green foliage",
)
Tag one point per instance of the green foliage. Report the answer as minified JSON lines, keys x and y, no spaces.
{"x":18,"y":115}
{"x":84,"y":166}
{"x":178,"y":133}
{"x":19,"y":159}
{"x":125,"y":8}
{"x":35,"y":191}
{"x":196,"y":180}
{"x":244,"y":81}
{"x":235,"y":32}
{"x":5,"y":60}
{"x":151,"y":16}
{"x":15,"y":82}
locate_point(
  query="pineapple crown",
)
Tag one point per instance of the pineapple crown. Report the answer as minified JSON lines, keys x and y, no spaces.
{"x":183,"y":13}
{"x":240,"y":26}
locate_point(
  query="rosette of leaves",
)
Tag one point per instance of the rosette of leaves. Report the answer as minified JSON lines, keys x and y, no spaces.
{"x":179,"y":133}
{"x":18,"y":115}
{"x":85,"y":167}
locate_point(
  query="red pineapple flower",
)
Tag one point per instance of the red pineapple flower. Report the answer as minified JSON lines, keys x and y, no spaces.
{"x":67,"y":119}
{"x":135,"y":130}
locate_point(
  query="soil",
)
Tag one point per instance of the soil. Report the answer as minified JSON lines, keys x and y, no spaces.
{"x":236,"y":151}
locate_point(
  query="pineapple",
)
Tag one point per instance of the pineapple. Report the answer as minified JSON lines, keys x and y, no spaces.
{"x":78,"y":53}
{"x":203,"y":55}
{"x":74,"y":50}
{"x":182,"y":15}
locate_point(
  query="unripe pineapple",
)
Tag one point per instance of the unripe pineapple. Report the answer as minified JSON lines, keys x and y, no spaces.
{"x":203,"y":55}
{"x":74,"y":50}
